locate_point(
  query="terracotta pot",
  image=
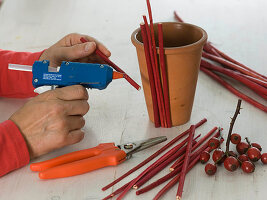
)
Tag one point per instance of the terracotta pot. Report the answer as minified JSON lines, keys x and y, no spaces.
{"x":183,"y":44}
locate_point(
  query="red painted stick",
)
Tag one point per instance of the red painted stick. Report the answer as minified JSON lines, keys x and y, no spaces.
{"x":193,"y":162}
{"x":157,"y":82}
{"x":254,"y":86}
{"x":258,"y":81}
{"x":150,"y":76}
{"x":164,"y":76}
{"x":236,"y":62}
{"x":173,"y":150}
{"x":203,"y":139}
{"x":156,"y":58}
{"x":109,"y":62}
{"x":162,"y":149}
{"x":177,"y":17}
{"x":118,"y":191}
{"x":177,"y":170}
{"x":154,"y":165}
{"x":231,"y":65}
{"x":175,"y":179}
{"x":233,"y":90}
{"x":208,"y":47}
{"x":199,"y":150}
{"x":159,"y":168}
{"x":186,"y":162}
{"x":165,"y":178}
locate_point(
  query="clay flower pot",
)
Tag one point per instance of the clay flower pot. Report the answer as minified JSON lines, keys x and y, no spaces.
{"x":183,"y":44}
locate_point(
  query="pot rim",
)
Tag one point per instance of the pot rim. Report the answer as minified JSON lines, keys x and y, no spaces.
{"x":171,"y":50}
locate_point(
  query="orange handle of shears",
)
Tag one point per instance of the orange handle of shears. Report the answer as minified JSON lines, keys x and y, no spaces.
{"x":80,"y":162}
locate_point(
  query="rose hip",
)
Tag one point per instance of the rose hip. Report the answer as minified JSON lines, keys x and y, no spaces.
{"x":256,"y":145}
{"x":210,"y":169}
{"x":242,"y":147}
{"x":235,"y":138}
{"x":204,"y":157}
{"x":217,"y":155}
{"x":214,"y":143}
{"x":231,"y":163}
{"x":264,"y":158}
{"x":254,"y":154}
{"x":243,"y":158}
{"x":248,"y":167}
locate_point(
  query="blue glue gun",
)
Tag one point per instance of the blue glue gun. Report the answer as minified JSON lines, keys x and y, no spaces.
{"x":70,"y":73}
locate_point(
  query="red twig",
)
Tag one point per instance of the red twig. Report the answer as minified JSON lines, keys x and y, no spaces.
{"x":150,"y":76}
{"x":236,"y":62}
{"x":164,"y":76}
{"x":233,"y":90}
{"x":258,"y":81}
{"x":153,"y":155}
{"x":199,"y":150}
{"x":118,"y":191}
{"x":154,"y":171}
{"x":193,"y":148}
{"x":177,"y":170}
{"x":231,"y":65}
{"x":155,"y":73}
{"x":168,"y":176}
{"x":156,"y":59}
{"x":161,"y":180}
{"x":109,"y":62}
{"x":154,"y":165}
{"x":177,"y":178}
{"x":186,"y":162}
{"x":254,"y":86}
{"x":207,"y":47}
{"x":177,"y":17}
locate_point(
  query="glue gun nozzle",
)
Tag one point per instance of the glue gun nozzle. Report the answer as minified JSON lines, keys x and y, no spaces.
{"x":117,"y":75}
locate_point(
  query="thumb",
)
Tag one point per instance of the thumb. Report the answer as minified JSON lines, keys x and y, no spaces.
{"x":77,"y":51}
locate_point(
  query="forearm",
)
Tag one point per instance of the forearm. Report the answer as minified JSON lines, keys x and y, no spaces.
{"x":16,"y":84}
{"x":13,"y":148}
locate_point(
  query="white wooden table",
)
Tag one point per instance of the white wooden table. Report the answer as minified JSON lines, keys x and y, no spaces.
{"x":118,"y":114}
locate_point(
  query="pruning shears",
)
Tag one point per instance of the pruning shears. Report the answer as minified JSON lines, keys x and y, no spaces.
{"x":89,"y":75}
{"x":83,"y":161}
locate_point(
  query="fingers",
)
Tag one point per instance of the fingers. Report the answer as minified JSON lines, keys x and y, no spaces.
{"x":74,"y":92}
{"x":78,"y":107}
{"x":76,"y":51}
{"x":100,"y":46}
{"x":74,"y":137}
{"x":75,"y":122}
{"x":74,"y":38}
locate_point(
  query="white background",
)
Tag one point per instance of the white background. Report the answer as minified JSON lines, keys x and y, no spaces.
{"x":118,"y":114}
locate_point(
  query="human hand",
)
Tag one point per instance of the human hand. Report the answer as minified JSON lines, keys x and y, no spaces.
{"x":53,"y":119}
{"x":70,"y":48}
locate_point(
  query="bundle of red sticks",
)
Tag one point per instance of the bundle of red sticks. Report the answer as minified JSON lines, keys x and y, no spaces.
{"x":185,"y":154}
{"x":228,"y":67}
{"x":159,"y":88}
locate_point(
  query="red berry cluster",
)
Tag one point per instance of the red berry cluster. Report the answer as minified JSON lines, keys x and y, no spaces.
{"x":248,"y":152}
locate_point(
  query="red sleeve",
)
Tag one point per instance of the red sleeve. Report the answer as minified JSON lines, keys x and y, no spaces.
{"x":13,"y":148}
{"x":16,"y":84}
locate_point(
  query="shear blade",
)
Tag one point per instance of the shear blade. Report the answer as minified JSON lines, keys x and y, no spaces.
{"x":133,"y":147}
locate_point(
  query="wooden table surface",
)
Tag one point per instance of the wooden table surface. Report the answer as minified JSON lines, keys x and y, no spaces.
{"x":118,"y":114}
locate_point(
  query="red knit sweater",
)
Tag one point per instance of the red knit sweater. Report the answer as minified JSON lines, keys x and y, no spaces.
{"x":14,"y":84}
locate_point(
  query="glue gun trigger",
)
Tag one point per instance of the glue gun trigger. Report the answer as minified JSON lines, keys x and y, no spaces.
{"x":45,"y":88}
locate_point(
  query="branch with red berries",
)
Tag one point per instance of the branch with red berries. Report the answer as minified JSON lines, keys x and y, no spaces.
{"x":248,"y":152}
